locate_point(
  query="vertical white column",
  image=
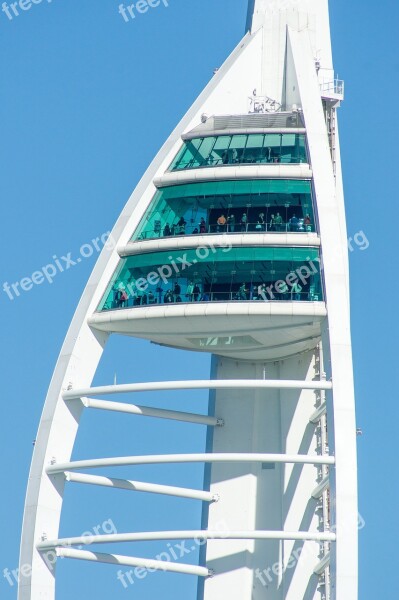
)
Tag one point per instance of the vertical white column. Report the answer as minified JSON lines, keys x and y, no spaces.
{"x":336,"y":338}
{"x":268,"y":496}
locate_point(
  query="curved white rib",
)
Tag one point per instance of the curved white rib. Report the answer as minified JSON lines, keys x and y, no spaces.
{"x":80,"y":356}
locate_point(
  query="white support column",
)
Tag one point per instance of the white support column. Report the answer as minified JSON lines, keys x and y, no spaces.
{"x":336,"y":336}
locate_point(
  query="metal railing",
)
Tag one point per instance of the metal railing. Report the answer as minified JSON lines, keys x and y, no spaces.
{"x":334,"y":86}
{"x":255,"y":295}
{"x":255,"y":160}
{"x":292,"y":226}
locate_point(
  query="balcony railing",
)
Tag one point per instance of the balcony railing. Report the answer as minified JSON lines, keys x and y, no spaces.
{"x":298,"y":226}
{"x":169,"y":297}
{"x":333,"y":88}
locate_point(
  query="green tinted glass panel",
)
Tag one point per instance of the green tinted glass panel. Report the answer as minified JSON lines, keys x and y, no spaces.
{"x":187,"y":154}
{"x":288,"y":139}
{"x":255,"y":141}
{"x":205,"y":150}
{"x":223,"y":142}
{"x":269,"y":205}
{"x":239,"y":141}
{"x":216,"y":274}
{"x":241,"y":149}
{"x":273,"y":140}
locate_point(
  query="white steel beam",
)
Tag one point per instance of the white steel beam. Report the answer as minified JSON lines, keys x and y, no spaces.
{"x":198,"y":385}
{"x":155,"y":536}
{"x":189,"y":458}
{"x":131,"y":561}
{"x":158,"y":413}
{"x":139,"y":486}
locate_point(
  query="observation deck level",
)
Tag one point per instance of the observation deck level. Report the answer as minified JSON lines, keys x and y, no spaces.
{"x":226,"y":257}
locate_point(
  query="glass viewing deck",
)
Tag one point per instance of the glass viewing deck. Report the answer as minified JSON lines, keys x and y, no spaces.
{"x":209,"y":274}
{"x":238,"y":206}
{"x":215,"y":151}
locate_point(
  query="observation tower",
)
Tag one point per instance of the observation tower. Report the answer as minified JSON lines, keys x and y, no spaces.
{"x":233,"y":243}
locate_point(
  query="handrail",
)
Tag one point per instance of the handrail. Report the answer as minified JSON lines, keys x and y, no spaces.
{"x":298,"y":226}
{"x":218,"y":162}
{"x":144,"y":299}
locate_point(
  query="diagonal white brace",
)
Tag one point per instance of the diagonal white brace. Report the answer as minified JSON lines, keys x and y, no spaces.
{"x":131,"y":561}
{"x":316,"y":416}
{"x":158,"y":413}
{"x":139,"y":486}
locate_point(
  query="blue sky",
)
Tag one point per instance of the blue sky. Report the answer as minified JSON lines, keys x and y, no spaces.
{"x":86,"y":101}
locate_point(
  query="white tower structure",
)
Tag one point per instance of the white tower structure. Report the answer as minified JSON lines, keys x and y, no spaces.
{"x":233,"y":243}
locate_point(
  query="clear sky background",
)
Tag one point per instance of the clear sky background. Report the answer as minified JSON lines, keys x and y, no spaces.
{"x":86,"y":101}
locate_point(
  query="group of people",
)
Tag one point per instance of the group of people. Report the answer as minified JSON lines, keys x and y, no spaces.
{"x":179,"y":228}
{"x":195,"y":292}
{"x":232,"y":156}
{"x":275,"y":223}
{"x":233,"y":224}
{"x":265,"y":292}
